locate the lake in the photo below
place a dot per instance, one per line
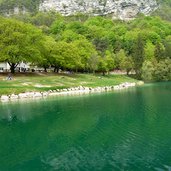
(128, 130)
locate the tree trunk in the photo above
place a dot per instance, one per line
(127, 72)
(12, 67)
(45, 69)
(55, 69)
(103, 73)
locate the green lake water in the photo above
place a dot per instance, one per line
(116, 131)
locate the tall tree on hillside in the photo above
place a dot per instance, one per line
(167, 45)
(149, 51)
(138, 55)
(159, 51)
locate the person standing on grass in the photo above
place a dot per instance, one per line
(9, 77)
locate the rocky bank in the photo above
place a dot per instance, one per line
(68, 91)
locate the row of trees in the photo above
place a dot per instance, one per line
(7, 6)
(86, 44)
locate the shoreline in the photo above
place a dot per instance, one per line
(68, 91)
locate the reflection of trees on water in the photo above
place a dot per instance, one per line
(18, 111)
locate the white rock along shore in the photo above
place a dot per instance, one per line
(67, 91)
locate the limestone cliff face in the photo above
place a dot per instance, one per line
(122, 9)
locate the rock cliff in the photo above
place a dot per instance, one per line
(122, 9)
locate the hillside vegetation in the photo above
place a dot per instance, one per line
(164, 10)
(31, 5)
(88, 44)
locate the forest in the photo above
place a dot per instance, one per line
(87, 44)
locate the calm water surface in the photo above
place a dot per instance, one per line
(121, 131)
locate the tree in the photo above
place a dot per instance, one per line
(127, 64)
(70, 36)
(102, 67)
(66, 56)
(167, 45)
(45, 18)
(163, 70)
(93, 62)
(159, 51)
(78, 28)
(119, 57)
(129, 40)
(148, 71)
(19, 42)
(58, 26)
(110, 64)
(106, 63)
(149, 51)
(101, 44)
(138, 55)
(47, 49)
(86, 50)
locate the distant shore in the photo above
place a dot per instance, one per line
(68, 91)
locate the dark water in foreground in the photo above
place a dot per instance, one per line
(122, 131)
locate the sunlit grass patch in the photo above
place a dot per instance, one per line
(44, 82)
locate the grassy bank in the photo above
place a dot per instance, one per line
(43, 82)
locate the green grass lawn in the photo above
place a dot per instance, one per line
(43, 82)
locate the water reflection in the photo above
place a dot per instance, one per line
(107, 132)
(24, 111)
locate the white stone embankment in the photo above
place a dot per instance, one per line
(68, 91)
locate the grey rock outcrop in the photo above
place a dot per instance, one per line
(122, 9)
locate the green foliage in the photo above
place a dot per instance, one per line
(148, 71)
(93, 63)
(85, 51)
(86, 44)
(47, 50)
(58, 26)
(167, 46)
(127, 64)
(157, 71)
(119, 57)
(149, 50)
(66, 56)
(31, 5)
(164, 10)
(159, 51)
(19, 42)
(70, 36)
(163, 70)
(138, 55)
(106, 63)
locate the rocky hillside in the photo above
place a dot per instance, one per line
(122, 9)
